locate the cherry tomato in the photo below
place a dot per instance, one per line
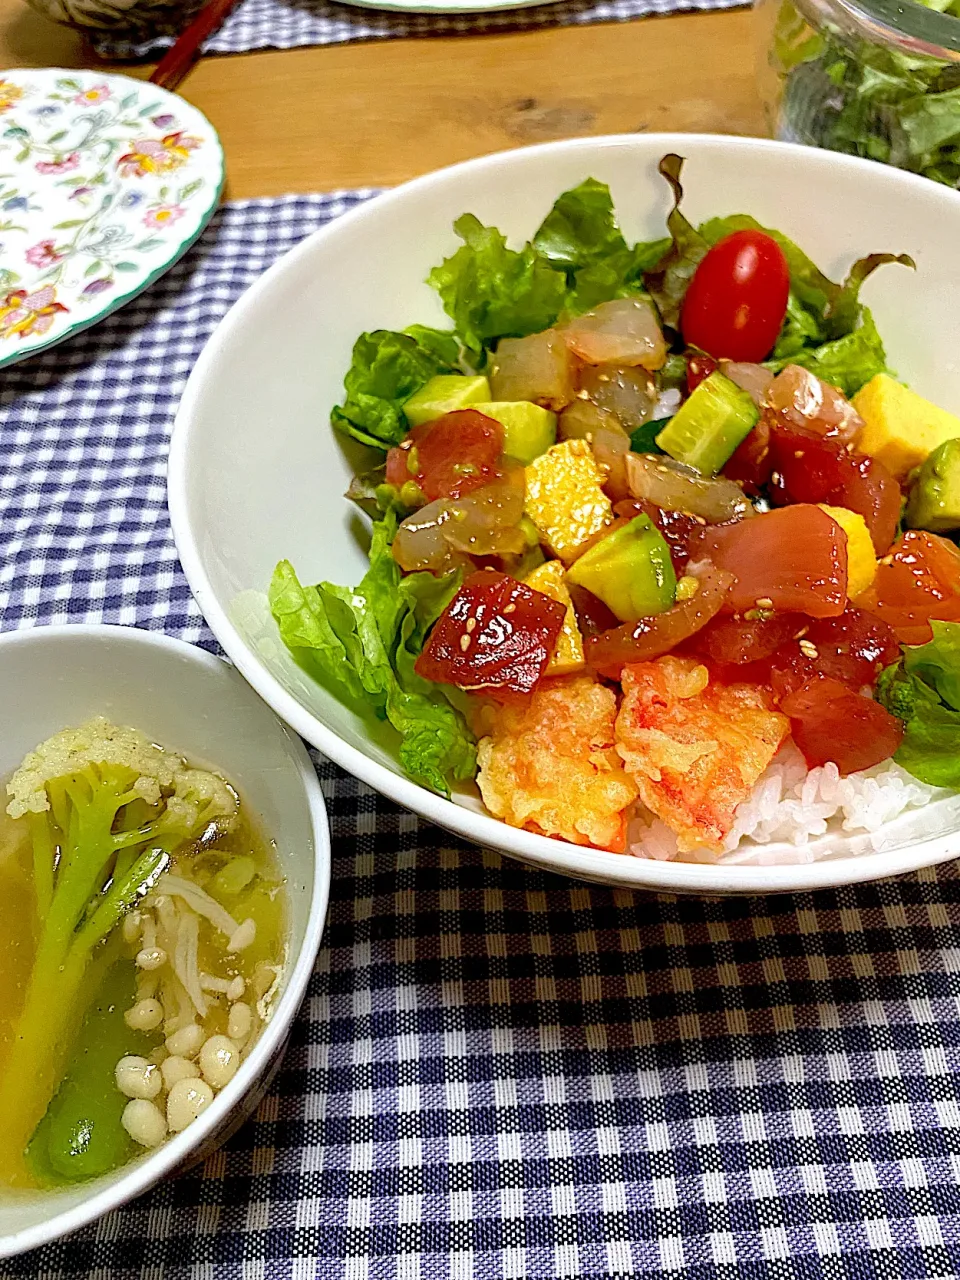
(829, 722)
(495, 637)
(737, 299)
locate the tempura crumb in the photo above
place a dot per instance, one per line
(550, 765)
(695, 748)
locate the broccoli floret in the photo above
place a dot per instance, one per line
(106, 810)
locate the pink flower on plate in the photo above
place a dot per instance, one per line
(58, 166)
(162, 215)
(90, 97)
(157, 155)
(43, 254)
(23, 314)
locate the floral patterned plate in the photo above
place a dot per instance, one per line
(104, 183)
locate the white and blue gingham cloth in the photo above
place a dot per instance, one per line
(291, 24)
(499, 1074)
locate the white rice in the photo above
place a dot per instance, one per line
(667, 404)
(796, 815)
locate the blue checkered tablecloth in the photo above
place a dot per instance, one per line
(290, 24)
(499, 1074)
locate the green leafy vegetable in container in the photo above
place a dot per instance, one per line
(882, 82)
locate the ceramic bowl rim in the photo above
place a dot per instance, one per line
(481, 828)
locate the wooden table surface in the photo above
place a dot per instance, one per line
(378, 112)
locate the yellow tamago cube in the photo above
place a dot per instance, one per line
(565, 499)
(901, 427)
(568, 654)
(861, 560)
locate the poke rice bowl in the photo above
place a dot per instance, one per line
(191, 702)
(257, 475)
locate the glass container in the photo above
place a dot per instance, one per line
(872, 78)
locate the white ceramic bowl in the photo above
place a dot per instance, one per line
(256, 473)
(188, 700)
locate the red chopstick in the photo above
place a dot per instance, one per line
(182, 54)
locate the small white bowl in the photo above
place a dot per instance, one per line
(257, 474)
(190, 701)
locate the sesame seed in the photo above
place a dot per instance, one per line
(583, 394)
(886, 560)
(764, 602)
(775, 477)
(510, 608)
(809, 649)
(471, 624)
(798, 453)
(464, 643)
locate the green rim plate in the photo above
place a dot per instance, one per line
(105, 182)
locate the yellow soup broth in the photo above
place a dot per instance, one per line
(237, 871)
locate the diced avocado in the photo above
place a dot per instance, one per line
(707, 427)
(528, 430)
(861, 558)
(445, 393)
(630, 570)
(902, 429)
(568, 651)
(934, 501)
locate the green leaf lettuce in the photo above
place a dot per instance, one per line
(581, 237)
(387, 368)
(490, 291)
(923, 690)
(667, 281)
(367, 641)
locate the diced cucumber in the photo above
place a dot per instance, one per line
(709, 426)
(630, 570)
(528, 430)
(445, 393)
